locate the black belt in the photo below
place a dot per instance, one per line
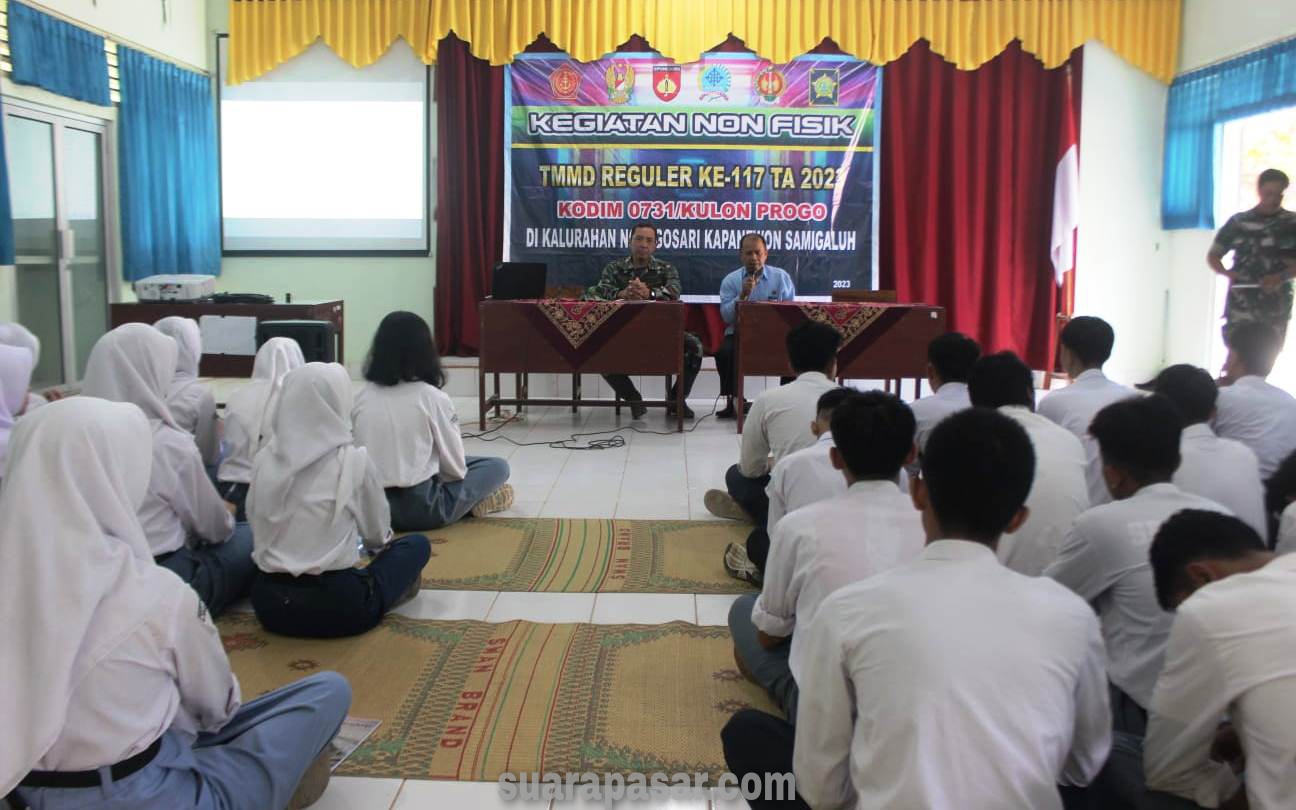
(86, 779)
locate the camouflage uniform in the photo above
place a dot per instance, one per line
(1262, 244)
(662, 279)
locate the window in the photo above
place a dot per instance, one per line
(318, 157)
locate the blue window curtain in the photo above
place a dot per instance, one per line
(57, 56)
(6, 211)
(166, 132)
(1201, 100)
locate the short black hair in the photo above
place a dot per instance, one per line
(1190, 389)
(874, 432)
(1280, 489)
(1140, 435)
(830, 399)
(1090, 339)
(811, 346)
(1191, 535)
(1001, 379)
(639, 225)
(1256, 344)
(1273, 176)
(403, 351)
(752, 235)
(952, 355)
(978, 466)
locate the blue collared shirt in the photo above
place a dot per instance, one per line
(774, 284)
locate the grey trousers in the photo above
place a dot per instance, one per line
(769, 667)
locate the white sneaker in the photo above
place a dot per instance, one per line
(720, 504)
(739, 566)
(497, 501)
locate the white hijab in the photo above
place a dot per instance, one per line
(15, 375)
(134, 363)
(78, 472)
(259, 398)
(184, 331)
(15, 334)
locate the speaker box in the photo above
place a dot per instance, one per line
(318, 339)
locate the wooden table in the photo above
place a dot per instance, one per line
(231, 365)
(894, 347)
(647, 338)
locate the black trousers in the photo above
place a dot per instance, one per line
(236, 494)
(750, 494)
(758, 544)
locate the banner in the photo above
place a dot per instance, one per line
(707, 152)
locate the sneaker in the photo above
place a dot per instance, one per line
(739, 566)
(313, 783)
(497, 501)
(720, 504)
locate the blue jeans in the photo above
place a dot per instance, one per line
(749, 493)
(435, 503)
(221, 574)
(253, 763)
(768, 667)
(1120, 784)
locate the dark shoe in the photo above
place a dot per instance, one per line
(730, 413)
(314, 782)
(637, 410)
(688, 412)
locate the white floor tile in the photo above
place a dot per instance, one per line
(555, 608)
(644, 608)
(719, 803)
(521, 509)
(713, 608)
(449, 605)
(358, 793)
(690, 800)
(427, 794)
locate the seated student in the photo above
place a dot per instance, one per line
(314, 495)
(1059, 492)
(19, 336)
(1104, 557)
(829, 544)
(410, 429)
(1222, 470)
(15, 375)
(111, 662)
(1280, 507)
(779, 424)
(949, 682)
(189, 528)
(949, 361)
(1250, 410)
(248, 417)
(800, 479)
(191, 402)
(1085, 344)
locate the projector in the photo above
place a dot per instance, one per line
(175, 288)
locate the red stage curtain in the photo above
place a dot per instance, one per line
(968, 160)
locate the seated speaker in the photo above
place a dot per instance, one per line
(318, 339)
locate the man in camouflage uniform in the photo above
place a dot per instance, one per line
(640, 277)
(1263, 242)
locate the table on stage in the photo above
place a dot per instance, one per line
(880, 341)
(578, 337)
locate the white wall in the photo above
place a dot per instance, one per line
(181, 37)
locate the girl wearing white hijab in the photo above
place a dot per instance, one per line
(191, 403)
(314, 494)
(15, 334)
(189, 528)
(15, 375)
(116, 689)
(247, 416)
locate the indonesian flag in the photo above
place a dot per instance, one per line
(1066, 192)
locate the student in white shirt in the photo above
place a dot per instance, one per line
(827, 545)
(1104, 557)
(1085, 344)
(314, 498)
(1222, 470)
(411, 431)
(248, 417)
(949, 361)
(189, 528)
(116, 686)
(798, 480)
(1059, 492)
(19, 336)
(779, 424)
(191, 402)
(15, 374)
(950, 681)
(1251, 410)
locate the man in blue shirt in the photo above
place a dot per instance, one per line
(754, 281)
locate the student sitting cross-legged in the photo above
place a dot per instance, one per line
(314, 497)
(115, 690)
(951, 681)
(409, 426)
(822, 547)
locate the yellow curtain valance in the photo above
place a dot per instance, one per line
(969, 33)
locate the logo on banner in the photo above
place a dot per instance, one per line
(714, 83)
(620, 82)
(565, 82)
(824, 84)
(770, 83)
(666, 81)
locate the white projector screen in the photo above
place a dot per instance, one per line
(320, 157)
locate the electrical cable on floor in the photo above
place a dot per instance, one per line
(573, 442)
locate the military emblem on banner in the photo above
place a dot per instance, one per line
(824, 85)
(666, 81)
(714, 83)
(620, 82)
(770, 83)
(565, 82)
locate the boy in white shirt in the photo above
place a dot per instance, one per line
(1251, 410)
(950, 681)
(822, 547)
(949, 361)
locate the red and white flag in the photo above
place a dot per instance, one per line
(1066, 192)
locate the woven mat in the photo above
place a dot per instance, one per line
(470, 700)
(584, 556)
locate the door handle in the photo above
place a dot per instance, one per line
(67, 244)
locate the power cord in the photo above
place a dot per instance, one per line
(573, 442)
